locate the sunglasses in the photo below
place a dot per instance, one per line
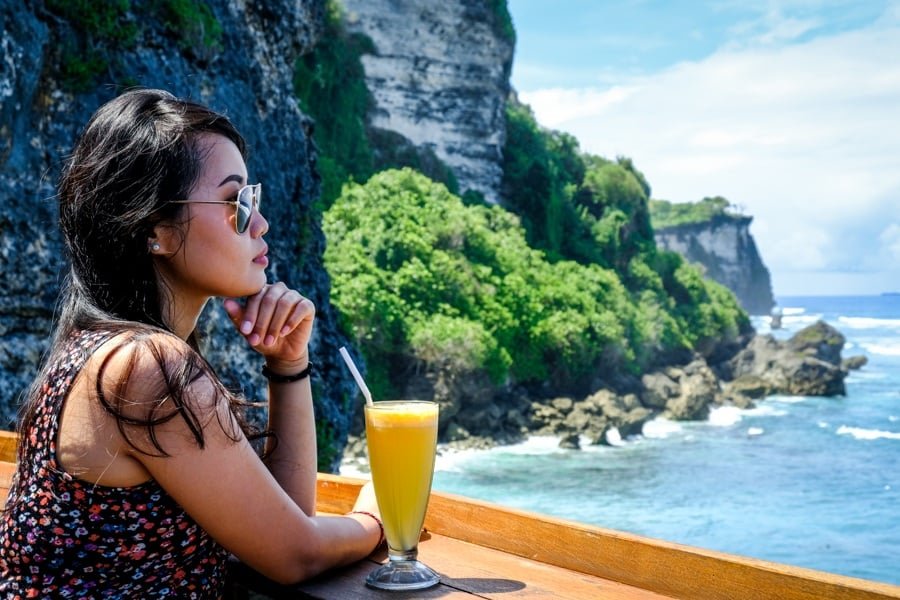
(244, 202)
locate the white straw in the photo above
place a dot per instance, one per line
(356, 375)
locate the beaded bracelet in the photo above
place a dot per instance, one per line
(377, 520)
(276, 378)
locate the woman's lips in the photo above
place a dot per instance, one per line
(261, 258)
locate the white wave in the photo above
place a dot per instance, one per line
(893, 419)
(868, 434)
(450, 460)
(725, 416)
(795, 310)
(754, 431)
(354, 470)
(823, 424)
(660, 428)
(536, 444)
(765, 410)
(613, 437)
(883, 349)
(784, 399)
(803, 320)
(868, 323)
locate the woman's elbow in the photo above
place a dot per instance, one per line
(295, 567)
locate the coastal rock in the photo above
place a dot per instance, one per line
(625, 413)
(728, 254)
(249, 75)
(808, 364)
(853, 363)
(659, 388)
(820, 340)
(571, 441)
(748, 385)
(440, 78)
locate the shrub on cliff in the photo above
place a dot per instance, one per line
(422, 280)
(592, 210)
(672, 214)
(425, 280)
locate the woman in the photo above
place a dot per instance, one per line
(136, 476)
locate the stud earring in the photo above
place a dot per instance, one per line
(155, 247)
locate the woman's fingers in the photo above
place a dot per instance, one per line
(287, 305)
(274, 312)
(302, 311)
(259, 311)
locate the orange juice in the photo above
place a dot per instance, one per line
(401, 437)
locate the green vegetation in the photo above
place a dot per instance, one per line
(330, 86)
(503, 20)
(100, 31)
(561, 285)
(670, 214)
(192, 22)
(424, 281)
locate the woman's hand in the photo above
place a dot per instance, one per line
(277, 322)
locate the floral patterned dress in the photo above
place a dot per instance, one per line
(61, 537)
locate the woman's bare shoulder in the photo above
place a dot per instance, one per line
(148, 377)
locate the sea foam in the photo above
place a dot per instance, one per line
(868, 434)
(883, 349)
(725, 416)
(868, 323)
(660, 428)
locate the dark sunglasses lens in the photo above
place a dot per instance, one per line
(244, 209)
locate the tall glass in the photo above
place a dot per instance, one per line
(402, 436)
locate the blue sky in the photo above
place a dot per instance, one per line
(790, 109)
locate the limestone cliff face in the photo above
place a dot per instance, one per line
(440, 78)
(249, 77)
(726, 250)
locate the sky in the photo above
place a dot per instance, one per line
(790, 109)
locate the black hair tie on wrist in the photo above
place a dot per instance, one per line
(276, 378)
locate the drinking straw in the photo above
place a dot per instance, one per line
(356, 375)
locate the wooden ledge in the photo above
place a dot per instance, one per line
(486, 551)
(665, 568)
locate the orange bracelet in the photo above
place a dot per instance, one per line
(377, 520)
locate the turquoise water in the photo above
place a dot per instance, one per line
(813, 482)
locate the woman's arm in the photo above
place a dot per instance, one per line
(277, 322)
(293, 460)
(227, 489)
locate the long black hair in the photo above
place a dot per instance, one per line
(137, 152)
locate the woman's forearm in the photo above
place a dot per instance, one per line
(293, 459)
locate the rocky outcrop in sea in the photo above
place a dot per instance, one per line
(727, 252)
(807, 364)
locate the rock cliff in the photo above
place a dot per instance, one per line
(440, 78)
(246, 72)
(725, 248)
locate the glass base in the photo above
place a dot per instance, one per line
(402, 575)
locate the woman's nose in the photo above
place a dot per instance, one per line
(258, 224)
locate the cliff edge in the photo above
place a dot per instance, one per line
(439, 76)
(725, 248)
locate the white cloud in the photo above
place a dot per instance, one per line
(890, 239)
(806, 136)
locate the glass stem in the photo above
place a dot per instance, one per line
(402, 555)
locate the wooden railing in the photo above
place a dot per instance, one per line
(509, 546)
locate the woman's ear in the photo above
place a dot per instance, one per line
(165, 240)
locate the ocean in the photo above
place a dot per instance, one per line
(813, 482)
